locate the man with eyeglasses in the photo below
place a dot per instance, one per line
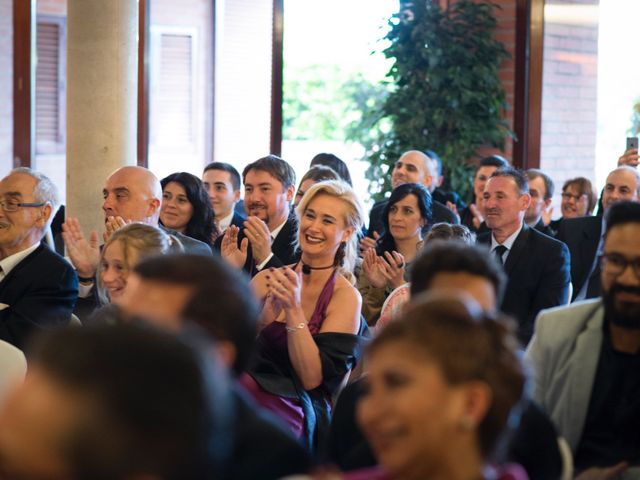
(38, 288)
(584, 235)
(586, 359)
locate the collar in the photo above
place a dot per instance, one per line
(276, 231)
(224, 222)
(509, 241)
(11, 261)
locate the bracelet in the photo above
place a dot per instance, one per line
(300, 326)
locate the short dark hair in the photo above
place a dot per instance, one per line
(449, 231)
(436, 158)
(493, 161)
(320, 173)
(518, 176)
(386, 243)
(226, 167)
(549, 187)
(440, 256)
(274, 166)
(467, 345)
(160, 403)
(332, 161)
(585, 187)
(221, 302)
(621, 213)
(200, 225)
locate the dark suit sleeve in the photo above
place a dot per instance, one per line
(553, 290)
(375, 219)
(47, 301)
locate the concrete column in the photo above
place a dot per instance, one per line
(102, 76)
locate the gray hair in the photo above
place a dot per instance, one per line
(45, 190)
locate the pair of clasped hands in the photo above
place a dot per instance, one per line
(380, 270)
(256, 232)
(85, 254)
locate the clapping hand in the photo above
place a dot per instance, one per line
(111, 225)
(260, 238)
(393, 268)
(630, 158)
(84, 254)
(373, 269)
(229, 250)
(367, 242)
(284, 285)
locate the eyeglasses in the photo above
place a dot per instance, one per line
(616, 264)
(569, 196)
(13, 206)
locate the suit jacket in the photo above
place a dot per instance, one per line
(537, 268)
(262, 448)
(439, 213)
(564, 355)
(582, 236)
(40, 291)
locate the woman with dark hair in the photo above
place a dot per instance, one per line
(400, 296)
(384, 268)
(578, 200)
(186, 207)
(444, 384)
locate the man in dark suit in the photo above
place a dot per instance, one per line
(536, 265)
(38, 288)
(584, 235)
(222, 182)
(268, 235)
(541, 190)
(130, 193)
(413, 166)
(173, 290)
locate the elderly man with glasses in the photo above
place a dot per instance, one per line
(38, 288)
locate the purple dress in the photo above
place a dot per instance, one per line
(274, 338)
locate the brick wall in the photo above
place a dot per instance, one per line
(6, 86)
(569, 97)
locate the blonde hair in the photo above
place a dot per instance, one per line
(354, 217)
(145, 239)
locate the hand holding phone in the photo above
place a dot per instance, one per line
(630, 156)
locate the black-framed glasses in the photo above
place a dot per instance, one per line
(13, 206)
(616, 263)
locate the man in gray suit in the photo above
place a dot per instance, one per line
(586, 358)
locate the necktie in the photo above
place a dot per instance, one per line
(499, 252)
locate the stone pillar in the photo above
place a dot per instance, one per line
(102, 75)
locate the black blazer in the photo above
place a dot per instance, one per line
(41, 292)
(439, 213)
(262, 448)
(537, 268)
(582, 236)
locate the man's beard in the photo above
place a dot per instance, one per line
(622, 314)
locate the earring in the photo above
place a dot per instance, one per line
(338, 260)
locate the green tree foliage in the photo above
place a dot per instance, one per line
(446, 93)
(326, 102)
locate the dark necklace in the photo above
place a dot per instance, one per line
(306, 269)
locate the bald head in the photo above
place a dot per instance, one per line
(413, 166)
(133, 193)
(623, 183)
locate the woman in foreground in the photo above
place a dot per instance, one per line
(444, 383)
